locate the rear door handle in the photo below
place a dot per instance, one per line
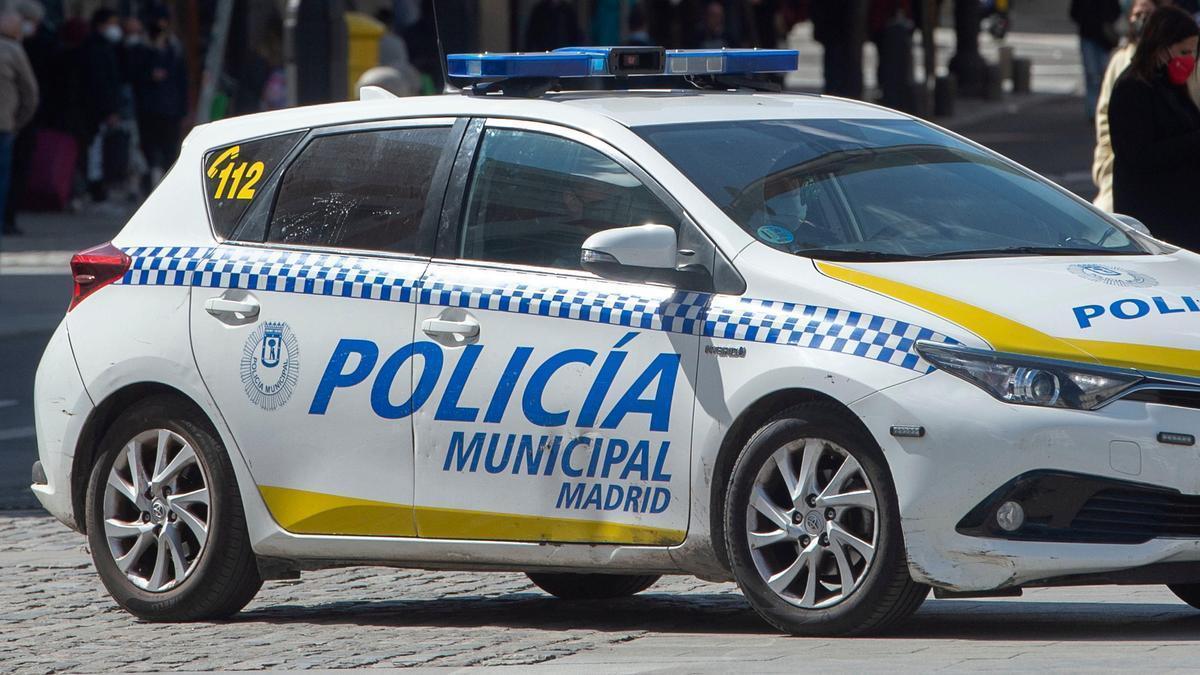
(466, 329)
(238, 311)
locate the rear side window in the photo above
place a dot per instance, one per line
(535, 198)
(234, 176)
(361, 190)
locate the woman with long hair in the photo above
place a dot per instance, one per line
(1102, 162)
(1155, 131)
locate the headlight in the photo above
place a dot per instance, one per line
(1028, 380)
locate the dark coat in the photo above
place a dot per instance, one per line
(1095, 19)
(1156, 145)
(165, 97)
(102, 79)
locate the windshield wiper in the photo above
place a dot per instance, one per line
(1028, 250)
(854, 256)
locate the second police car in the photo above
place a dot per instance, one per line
(821, 348)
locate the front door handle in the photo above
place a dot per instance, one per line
(441, 327)
(229, 310)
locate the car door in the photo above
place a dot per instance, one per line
(293, 322)
(559, 405)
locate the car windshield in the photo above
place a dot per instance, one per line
(879, 190)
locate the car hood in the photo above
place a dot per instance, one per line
(1126, 311)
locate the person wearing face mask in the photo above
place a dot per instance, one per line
(160, 88)
(1102, 162)
(1155, 130)
(102, 84)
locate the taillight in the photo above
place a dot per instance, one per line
(96, 268)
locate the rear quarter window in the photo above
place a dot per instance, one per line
(235, 175)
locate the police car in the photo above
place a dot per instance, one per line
(826, 350)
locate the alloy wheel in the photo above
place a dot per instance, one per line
(812, 523)
(157, 510)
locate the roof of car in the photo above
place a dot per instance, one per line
(641, 108)
(585, 110)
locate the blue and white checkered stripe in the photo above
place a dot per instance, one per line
(813, 327)
(745, 319)
(259, 270)
(681, 313)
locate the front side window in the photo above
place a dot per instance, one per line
(881, 190)
(362, 190)
(535, 198)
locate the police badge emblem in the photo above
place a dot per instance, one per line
(270, 365)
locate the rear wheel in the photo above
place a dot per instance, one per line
(165, 521)
(1189, 593)
(813, 528)
(591, 586)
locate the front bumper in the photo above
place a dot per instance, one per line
(975, 447)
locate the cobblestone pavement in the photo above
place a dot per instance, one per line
(55, 616)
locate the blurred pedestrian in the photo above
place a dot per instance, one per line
(714, 32)
(552, 24)
(40, 48)
(764, 23)
(1102, 161)
(1155, 130)
(18, 94)
(103, 82)
(1096, 21)
(160, 91)
(841, 26)
(891, 28)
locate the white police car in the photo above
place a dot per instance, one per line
(824, 349)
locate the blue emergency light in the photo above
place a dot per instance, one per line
(571, 62)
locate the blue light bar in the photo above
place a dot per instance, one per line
(730, 61)
(572, 62)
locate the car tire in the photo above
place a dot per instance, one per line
(569, 586)
(1189, 593)
(191, 518)
(834, 516)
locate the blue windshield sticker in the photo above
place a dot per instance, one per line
(774, 234)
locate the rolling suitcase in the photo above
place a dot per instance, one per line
(48, 187)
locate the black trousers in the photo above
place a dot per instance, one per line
(22, 164)
(160, 139)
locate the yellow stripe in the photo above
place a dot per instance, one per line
(1144, 357)
(456, 524)
(1002, 333)
(1007, 335)
(305, 512)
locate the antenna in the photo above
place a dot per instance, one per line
(447, 87)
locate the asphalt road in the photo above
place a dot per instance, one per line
(1048, 135)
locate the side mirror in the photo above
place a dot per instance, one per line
(1133, 223)
(641, 253)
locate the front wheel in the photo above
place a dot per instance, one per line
(813, 528)
(591, 586)
(164, 517)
